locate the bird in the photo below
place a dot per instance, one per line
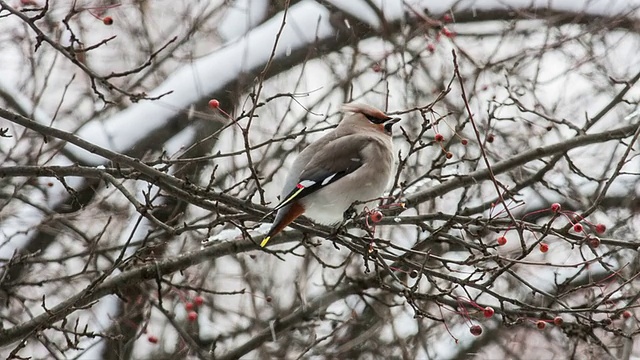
(352, 163)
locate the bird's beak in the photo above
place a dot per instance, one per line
(388, 125)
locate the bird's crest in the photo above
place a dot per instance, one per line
(367, 110)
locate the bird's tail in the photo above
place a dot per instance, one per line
(265, 241)
(285, 216)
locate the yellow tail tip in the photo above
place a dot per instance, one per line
(265, 241)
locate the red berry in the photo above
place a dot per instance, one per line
(152, 339)
(555, 207)
(214, 104)
(502, 240)
(577, 228)
(448, 155)
(558, 321)
(488, 312)
(376, 68)
(448, 33)
(594, 241)
(490, 138)
(192, 316)
(376, 216)
(626, 314)
(446, 18)
(439, 138)
(188, 306)
(464, 141)
(108, 20)
(475, 330)
(198, 300)
(540, 324)
(431, 48)
(544, 247)
(601, 228)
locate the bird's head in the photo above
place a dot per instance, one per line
(367, 117)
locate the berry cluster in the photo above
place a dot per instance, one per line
(439, 138)
(575, 220)
(444, 31)
(192, 314)
(487, 313)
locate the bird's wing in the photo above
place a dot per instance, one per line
(337, 159)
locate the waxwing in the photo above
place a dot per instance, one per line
(352, 163)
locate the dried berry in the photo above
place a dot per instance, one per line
(476, 330)
(376, 216)
(558, 321)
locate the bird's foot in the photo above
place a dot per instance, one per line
(349, 214)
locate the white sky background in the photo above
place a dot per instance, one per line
(118, 130)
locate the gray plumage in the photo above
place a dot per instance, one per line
(358, 153)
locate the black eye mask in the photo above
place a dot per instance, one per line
(377, 120)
